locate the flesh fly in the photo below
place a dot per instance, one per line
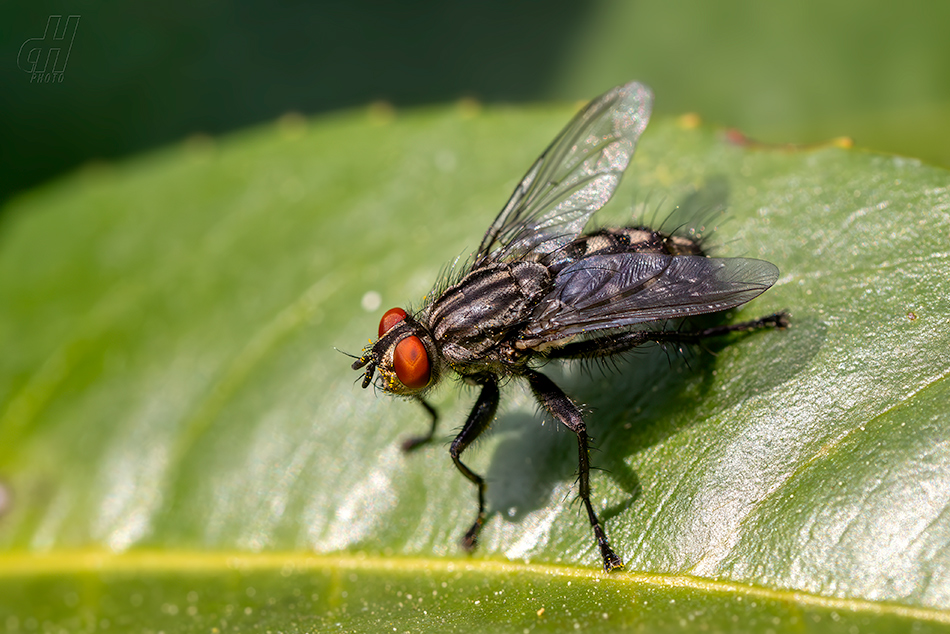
(538, 289)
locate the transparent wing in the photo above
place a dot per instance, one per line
(612, 291)
(573, 179)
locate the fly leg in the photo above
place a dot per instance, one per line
(560, 406)
(775, 320)
(616, 344)
(478, 421)
(414, 442)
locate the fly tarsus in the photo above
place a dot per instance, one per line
(780, 320)
(470, 539)
(478, 421)
(414, 442)
(553, 399)
(611, 561)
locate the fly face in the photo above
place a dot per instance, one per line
(537, 288)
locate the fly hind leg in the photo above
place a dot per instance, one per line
(622, 342)
(560, 406)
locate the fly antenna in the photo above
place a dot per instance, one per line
(352, 356)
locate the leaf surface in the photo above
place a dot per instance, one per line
(176, 426)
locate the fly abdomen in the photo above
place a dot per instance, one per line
(615, 240)
(612, 240)
(475, 315)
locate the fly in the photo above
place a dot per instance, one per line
(538, 289)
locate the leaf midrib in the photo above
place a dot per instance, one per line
(25, 564)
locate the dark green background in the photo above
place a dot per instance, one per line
(142, 75)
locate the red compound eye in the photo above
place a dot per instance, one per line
(411, 362)
(392, 317)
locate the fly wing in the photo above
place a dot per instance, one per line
(574, 178)
(613, 291)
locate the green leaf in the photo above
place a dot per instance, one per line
(182, 449)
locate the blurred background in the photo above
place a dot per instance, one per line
(142, 75)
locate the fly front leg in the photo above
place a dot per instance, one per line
(560, 406)
(414, 442)
(478, 421)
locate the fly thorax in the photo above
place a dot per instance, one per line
(472, 317)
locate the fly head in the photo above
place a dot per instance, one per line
(404, 355)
